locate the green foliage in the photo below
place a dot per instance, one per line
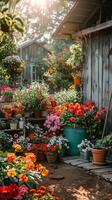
(58, 74)
(7, 47)
(76, 54)
(5, 140)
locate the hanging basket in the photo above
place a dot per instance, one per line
(51, 158)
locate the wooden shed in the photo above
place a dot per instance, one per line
(91, 21)
(34, 54)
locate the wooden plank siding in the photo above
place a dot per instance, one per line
(98, 67)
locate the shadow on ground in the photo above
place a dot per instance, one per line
(72, 183)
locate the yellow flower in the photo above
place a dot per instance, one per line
(17, 147)
(11, 172)
(44, 172)
(72, 87)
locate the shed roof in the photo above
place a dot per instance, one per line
(31, 42)
(77, 19)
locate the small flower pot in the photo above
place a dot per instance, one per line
(51, 158)
(13, 125)
(99, 156)
(77, 81)
(85, 155)
(38, 114)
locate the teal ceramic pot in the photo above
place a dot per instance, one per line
(75, 137)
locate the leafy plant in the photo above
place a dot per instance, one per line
(5, 140)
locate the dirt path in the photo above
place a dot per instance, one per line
(76, 184)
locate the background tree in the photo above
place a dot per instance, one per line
(40, 23)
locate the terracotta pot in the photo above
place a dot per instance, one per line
(31, 135)
(99, 156)
(77, 81)
(51, 158)
(38, 114)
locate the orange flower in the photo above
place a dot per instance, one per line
(30, 156)
(11, 157)
(44, 172)
(39, 166)
(23, 177)
(29, 166)
(32, 191)
(42, 187)
(17, 147)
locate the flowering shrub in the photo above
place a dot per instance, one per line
(66, 96)
(9, 110)
(13, 65)
(43, 193)
(59, 140)
(20, 169)
(52, 149)
(33, 98)
(82, 115)
(85, 145)
(53, 123)
(58, 74)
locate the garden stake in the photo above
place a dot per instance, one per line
(106, 118)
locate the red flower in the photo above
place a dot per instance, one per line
(72, 119)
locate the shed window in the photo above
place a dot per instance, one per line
(33, 73)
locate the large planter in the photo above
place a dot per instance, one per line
(99, 156)
(75, 137)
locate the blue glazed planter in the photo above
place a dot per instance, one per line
(75, 137)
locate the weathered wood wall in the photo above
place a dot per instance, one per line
(98, 67)
(33, 54)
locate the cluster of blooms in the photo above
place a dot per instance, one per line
(59, 140)
(33, 98)
(81, 115)
(53, 123)
(23, 142)
(23, 169)
(13, 191)
(44, 193)
(85, 145)
(10, 110)
(65, 96)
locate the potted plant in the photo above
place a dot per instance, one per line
(62, 142)
(34, 98)
(85, 148)
(80, 121)
(77, 78)
(7, 110)
(99, 151)
(52, 152)
(13, 124)
(6, 140)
